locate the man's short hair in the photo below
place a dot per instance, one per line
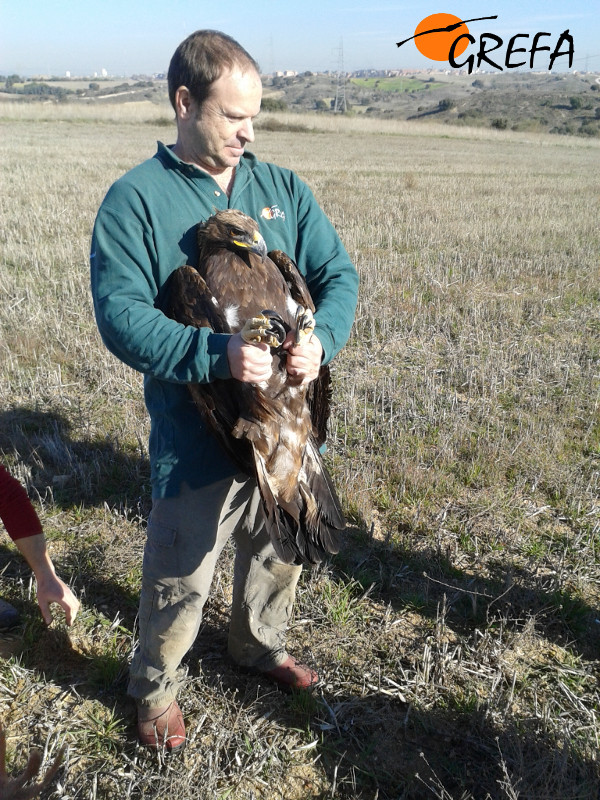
(201, 59)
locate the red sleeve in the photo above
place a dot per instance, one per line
(18, 515)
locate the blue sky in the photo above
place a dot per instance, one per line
(138, 36)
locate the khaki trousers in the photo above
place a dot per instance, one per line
(186, 535)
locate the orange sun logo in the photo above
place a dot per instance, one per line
(435, 34)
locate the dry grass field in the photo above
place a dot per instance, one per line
(458, 633)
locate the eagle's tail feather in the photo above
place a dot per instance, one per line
(321, 487)
(309, 529)
(281, 525)
(312, 526)
(317, 531)
(321, 519)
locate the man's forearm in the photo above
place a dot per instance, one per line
(34, 551)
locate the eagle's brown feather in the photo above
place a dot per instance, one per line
(271, 431)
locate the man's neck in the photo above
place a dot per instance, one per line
(223, 177)
(225, 180)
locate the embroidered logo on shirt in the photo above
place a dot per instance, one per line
(272, 212)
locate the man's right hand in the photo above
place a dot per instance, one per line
(250, 363)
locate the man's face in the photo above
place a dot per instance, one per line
(222, 126)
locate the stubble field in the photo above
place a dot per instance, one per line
(457, 634)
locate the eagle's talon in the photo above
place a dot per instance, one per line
(305, 325)
(255, 329)
(266, 328)
(276, 327)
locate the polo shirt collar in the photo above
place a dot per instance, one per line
(166, 155)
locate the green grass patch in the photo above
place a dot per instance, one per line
(395, 84)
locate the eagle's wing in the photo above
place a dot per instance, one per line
(319, 391)
(293, 277)
(318, 398)
(188, 299)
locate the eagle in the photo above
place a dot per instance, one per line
(272, 430)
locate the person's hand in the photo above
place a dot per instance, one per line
(14, 788)
(250, 363)
(304, 360)
(50, 589)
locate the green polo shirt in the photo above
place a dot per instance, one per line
(145, 229)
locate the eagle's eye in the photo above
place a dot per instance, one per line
(237, 232)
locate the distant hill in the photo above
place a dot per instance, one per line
(567, 103)
(556, 103)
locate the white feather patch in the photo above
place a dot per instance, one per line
(232, 315)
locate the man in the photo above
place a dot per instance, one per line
(146, 228)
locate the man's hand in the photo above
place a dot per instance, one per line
(250, 363)
(304, 360)
(51, 589)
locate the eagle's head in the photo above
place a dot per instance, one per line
(234, 230)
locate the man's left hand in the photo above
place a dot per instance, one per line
(304, 360)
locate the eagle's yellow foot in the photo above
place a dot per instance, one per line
(305, 325)
(265, 327)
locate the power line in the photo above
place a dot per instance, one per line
(587, 58)
(339, 105)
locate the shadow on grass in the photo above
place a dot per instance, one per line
(93, 653)
(425, 579)
(379, 747)
(71, 472)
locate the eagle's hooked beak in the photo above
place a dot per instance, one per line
(259, 245)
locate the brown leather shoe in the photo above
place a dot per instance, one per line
(293, 675)
(162, 730)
